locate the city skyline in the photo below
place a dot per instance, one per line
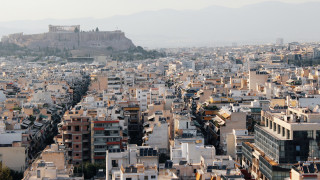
(160, 90)
(212, 26)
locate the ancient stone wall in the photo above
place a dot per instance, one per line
(72, 40)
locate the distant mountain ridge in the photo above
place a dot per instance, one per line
(212, 26)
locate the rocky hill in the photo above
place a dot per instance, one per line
(73, 40)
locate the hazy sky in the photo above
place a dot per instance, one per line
(65, 9)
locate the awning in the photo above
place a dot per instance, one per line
(151, 117)
(149, 130)
(225, 115)
(43, 116)
(26, 122)
(25, 125)
(198, 176)
(38, 124)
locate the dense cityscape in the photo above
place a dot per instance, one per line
(95, 106)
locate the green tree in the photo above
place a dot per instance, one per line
(88, 169)
(16, 174)
(97, 29)
(5, 172)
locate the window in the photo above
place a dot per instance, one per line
(77, 128)
(297, 148)
(145, 177)
(318, 134)
(77, 137)
(98, 125)
(100, 153)
(114, 163)
(310, 134)
(153, 177)
(98, 132)
(38, 174)
(77, 146)
(128, 178)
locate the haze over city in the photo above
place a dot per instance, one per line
(157, 24)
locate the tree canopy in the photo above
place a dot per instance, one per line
(5, 172)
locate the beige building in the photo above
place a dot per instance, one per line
(230, 121)
(234, 142)
(52, 164)
(257, 78)
(137, 162)
(12, 154)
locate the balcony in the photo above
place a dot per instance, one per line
(67, 132)
(99, 143)
(112, 128)
(113, 143)
(77, 157)
(113, 134)
(68, 140)
(100, 150)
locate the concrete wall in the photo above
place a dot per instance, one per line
(13, 157)
(231, 145)
(256, 79)
(159, 137)
(56, 157)
(238, 121)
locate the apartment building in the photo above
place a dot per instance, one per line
(306, 170)
(106, 134)
(234, 142)
(53, 163)
(75, 135)
(282, 139)
(137, 162)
